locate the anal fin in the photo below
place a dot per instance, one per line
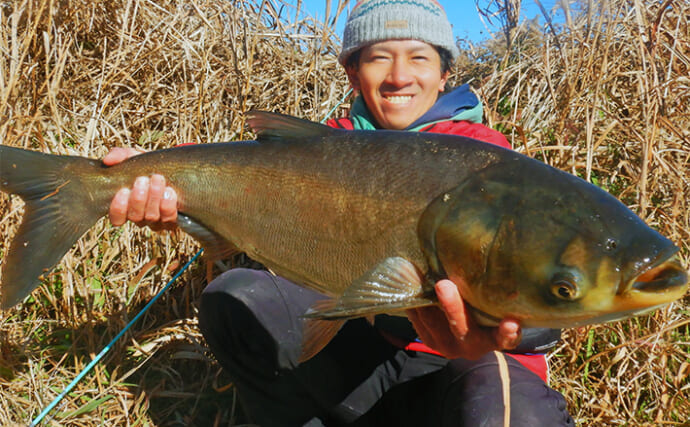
(317, 333)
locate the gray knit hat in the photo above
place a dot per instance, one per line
(373, 21)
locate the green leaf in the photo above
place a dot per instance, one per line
(92, 405)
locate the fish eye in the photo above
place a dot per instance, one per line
(565, 289)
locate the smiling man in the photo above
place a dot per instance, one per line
(399, 80)
(439, 370)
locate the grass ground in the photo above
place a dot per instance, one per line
(605, 95)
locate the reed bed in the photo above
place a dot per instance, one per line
(604, 95)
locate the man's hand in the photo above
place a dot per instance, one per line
(451, 330)
(149, 201)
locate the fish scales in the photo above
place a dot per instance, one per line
(313, 205)
(371, 219)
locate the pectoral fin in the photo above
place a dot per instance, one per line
(393, 285)
(215, 246)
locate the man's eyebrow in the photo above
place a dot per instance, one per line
(419, 49)
(413, 49)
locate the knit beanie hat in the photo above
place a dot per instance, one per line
(372, 21)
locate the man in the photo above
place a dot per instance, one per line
(397, 55)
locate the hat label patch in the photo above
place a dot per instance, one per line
(401, 24)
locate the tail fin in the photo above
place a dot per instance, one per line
(59, 209)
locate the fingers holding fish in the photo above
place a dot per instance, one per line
(505, 336)
(161, 204)
(508, 334)
(450, 330)
(120, 204)
(433, 329)
(149, 201)
(117, 213)
(138, 200)
(168, 207)
(160, 212)
(443, 334)
(152, 210)
(453, 307)
(118, 155)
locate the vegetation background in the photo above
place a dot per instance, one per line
(604, 94)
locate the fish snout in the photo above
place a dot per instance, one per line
(669, 276)
(655, 283)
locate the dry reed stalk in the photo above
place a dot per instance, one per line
(608, 99)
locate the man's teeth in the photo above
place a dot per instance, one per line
(399, 99)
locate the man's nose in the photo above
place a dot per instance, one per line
(400, 73)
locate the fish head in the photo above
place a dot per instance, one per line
(549, 249)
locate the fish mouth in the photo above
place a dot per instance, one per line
(665, 276)
(661, 278)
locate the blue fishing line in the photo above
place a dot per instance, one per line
(106, 349)
(337, 105)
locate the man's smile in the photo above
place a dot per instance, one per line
(398, 99)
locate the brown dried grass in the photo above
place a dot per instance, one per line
(606, 97)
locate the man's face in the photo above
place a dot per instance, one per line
(399, 79)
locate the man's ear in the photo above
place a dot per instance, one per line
(353, 77)
(444, 80)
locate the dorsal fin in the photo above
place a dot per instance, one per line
(280, 126)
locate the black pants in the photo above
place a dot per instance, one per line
(251, 321)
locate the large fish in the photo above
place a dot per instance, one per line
(371, 219)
